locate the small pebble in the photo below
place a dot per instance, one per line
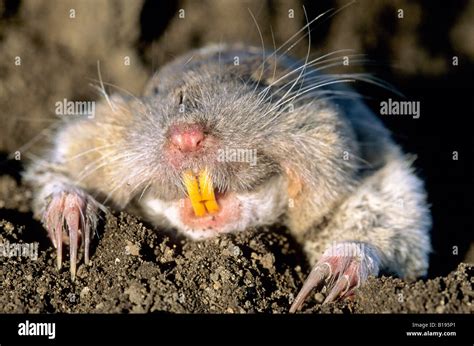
(319, 297)
(84, 292)
(132, 249)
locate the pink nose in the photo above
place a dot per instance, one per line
(186, 137)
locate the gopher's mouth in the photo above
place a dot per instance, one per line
(204, 208)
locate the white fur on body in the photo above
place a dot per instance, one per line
(388, 212)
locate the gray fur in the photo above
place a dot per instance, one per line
(356, 185)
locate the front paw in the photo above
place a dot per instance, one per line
(343, 267)
(69, 217)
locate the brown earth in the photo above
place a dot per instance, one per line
(137, 269)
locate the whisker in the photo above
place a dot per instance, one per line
(88, 151)
(147, 107)
(123, 182)
(310, 63)
(275, 60)
(34, 140)
(305, 63)
(263, 51)
(104, 93)
(298, 33)
(309, 88)
(334, 12)
(144, 190)
(277, 114)
(81, 175)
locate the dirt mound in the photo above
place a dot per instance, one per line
(137, 269)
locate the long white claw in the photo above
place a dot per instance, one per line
(317, 276)
(340, 288)
(72, 210)
(87, 242)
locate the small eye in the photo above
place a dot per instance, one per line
(155, 90)
(181, 97)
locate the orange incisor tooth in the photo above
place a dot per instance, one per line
(207, 192)
(201, 193)
(192, 187)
